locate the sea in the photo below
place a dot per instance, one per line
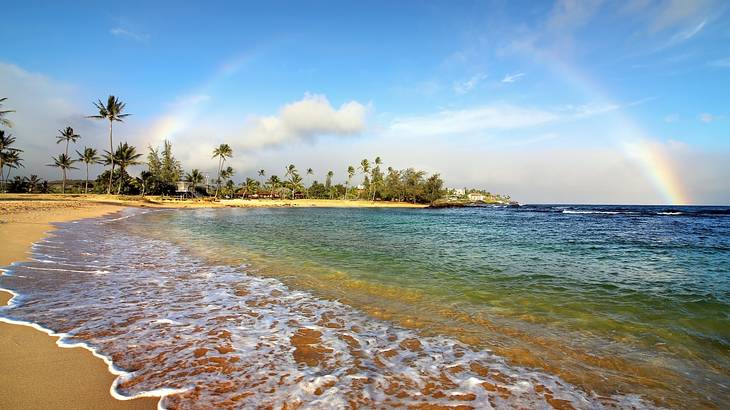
(537, 306)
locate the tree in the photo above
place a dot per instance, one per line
(171, 169)
(126, 155)
(68, 135)
(273, 182)
(294, 178)
(433, 188)
(3, 113)
(223, 152)
(328, 182)
(376, 176)
(309, 172)
(262, 174)
(350, 174)
(112, 111)
(8, 154)
(195, 177)
(12, 160)
(33, 181)
(251, 185)
(88, 157)
(64, 163)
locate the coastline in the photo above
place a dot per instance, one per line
(35, 371)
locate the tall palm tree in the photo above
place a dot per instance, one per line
(375, 173)
(64, 163)
(262, 174)
(68, 135)
(328, 182)
(310, 171)
(4, 121)
(223, 152)
(6, 153)
(292, 173)
(112, 111)
(273, 182)
(295, 182)
(11, 160)
(126, 155)
(88, 157)
(350, 174)
(365, 168)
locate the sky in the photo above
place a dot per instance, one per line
(549, 102)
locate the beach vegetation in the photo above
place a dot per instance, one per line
(222, 152)
(64, 163)
(112, 111)
(88, 156)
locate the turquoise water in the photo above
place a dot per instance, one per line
(631, 299)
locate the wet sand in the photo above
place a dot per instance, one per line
(35, 373)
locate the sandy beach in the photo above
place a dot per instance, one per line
(35, 373)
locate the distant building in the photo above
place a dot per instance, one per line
(475, 196)
(183, 186)
(459, 191)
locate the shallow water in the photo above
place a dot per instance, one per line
(479, 307)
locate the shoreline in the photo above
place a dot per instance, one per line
(30, 361)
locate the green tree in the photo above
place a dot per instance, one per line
(112, 111)
(8, 155)
(328, 182)
(171, 168)
(33, 181)
(3, 113)
(262, 174)
(310, 171)
(88, 157)
(376, 177)
(350, 174)
(273, 183)
(195, 177)
(68, 135)
(222, 152)
(126, 156)
(293, 175)
(64, 163)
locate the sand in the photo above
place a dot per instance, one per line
(35, 373)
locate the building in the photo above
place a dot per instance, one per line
(459, 191)
(475, 196)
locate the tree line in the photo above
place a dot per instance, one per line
(366, 181)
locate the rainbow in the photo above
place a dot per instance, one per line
(634, 142)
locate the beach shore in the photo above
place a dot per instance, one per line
(35, 373)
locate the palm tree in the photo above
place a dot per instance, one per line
(126, 155)
(64, 162)
(195, 177)
(251, 185)
(6, 150)
(88, 157)
(11, 159)
(67, 135)
(223, 152)
(328, 182)
(273, 182)
(365, 168)
(295, 182)
(375, 173)
(33, 182)
(262, 174)
(291, 172)
(350, 174)
(4, 121)
(310, 171)
(111, 111)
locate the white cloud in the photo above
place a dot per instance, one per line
(307, 118)
(720, 63)
(511, 78)
(494, 117)
(674, 13)
(464, 87)
(128, 34)
(708, 118)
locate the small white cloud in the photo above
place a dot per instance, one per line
(511, 78)
(708, 118)
(720, 63)
(307, 118)
(464, 87)
(671, 118)
(123, 33)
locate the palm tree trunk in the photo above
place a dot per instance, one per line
(2, 176)
(121, 179)
(111, 158)
(218, 180)
(86, 186)
(63, 182)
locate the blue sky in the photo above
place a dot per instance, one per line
(585, 101)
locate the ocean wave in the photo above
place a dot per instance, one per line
(170, 325)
